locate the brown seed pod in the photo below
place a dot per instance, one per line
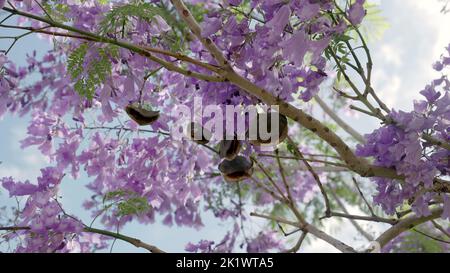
(235, 170)
(198, 134)
(229, 149)
(273, 140)
(140, 115)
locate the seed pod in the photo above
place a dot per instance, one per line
(273, 140)
(229, 149)
(198, 134)
(235, 170)
(140, 115)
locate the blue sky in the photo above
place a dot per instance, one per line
(417, 36)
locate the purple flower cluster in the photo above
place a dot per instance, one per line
(226, 245)
(273, 51)
(401, 146)
(48, 224)
(264, 242)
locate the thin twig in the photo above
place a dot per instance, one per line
(266, 189)
(431, 237)
(357, 136)
(314, 174)
(362, 218)
(283, 178)
(442, 229)
(297, 246)
(267, 174)
(310, 229)
(363, 197)
(39, 4)
(307, 159)
(352, 221)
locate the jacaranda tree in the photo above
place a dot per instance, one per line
(103, 99)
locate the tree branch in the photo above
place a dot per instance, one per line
(299, 243)
(195, 28)
(363, 218)
(407, 224)
(136, 242)
(310, 229)
(352, 220)
(363, 197)
(168, 65)
(441, 229)
(357, 136)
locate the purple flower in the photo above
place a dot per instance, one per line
(18, 188)
(295, 48)
(446, 213)
(66, 155)
(3, 59)
(234, 2)
(278, 23)
(204, 246)
(41, 132)
(438, 66)
(210, 26)
(50, 178)
(305, 10)
(430, 93)
(264, 242)
(357, 12)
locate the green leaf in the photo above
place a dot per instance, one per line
(76, 61)
(127, 202)
(133, 206)
(89, 74)
(374, 24)
(56, 10)
(120, 16)
(115, 194)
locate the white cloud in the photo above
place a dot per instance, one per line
(392, 54)
(29, 169)
(417, 37)
(22, 164)
(387, 86)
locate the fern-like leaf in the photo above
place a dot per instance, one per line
(90, 74)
